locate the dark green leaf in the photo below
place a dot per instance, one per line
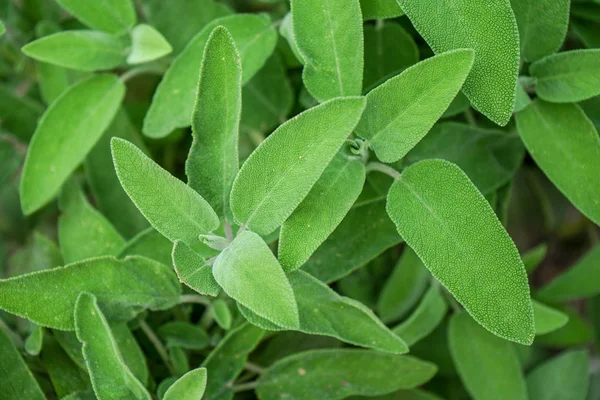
(17, 381)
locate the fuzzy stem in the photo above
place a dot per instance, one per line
(383, 168)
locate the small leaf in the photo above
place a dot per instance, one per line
(192, 270)
(567, 77)
(189, 386)
(110, 376)
(566, 146)
(66, 133)
(17, 380)
(33, 343)
(492, 371)
(564, 377)
(453, 229)
(112, 16)
(337, 374)
(147, 44)
(220, 312)
(380, 9)
(547, 319)
(250, 274)
(321, 211)
(183, 334)
(575, 333)
(123, 287)
(533, 257)
(172, 208)
(330, 40)
(281, 171)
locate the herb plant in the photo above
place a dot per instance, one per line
(304, 199)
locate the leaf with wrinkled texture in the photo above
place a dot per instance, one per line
(17, 380)
(147, 44)
(192, 270)
(547, 319)
(112, 16)
(189, 386)
(564, 377)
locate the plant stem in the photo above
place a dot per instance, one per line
(383, 168)
(160, 349)
(249, 366)
(194, 298)
(245, 386)
(228, 231)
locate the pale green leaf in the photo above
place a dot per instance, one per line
(52, 80)
(380, 9)
(189, 386)
(575, 333)
(221, 314)
(402, 110)
(522, 100)
(147, 44)
(564, 377)
(534, 257)
(113, 16)
(445, 219)
(17, 381)
(193, 271)
(33, 343)
(183, 334)
(547, 319)
(487, 27)
(286, 29)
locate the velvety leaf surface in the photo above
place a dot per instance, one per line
(130, 350)
(380, 9)
(564, 377)
(17, 380)
(192, 270)
(183, 334)
(547, 319)
(151, 244)
(189, 386)
(147, 44)
(112, 16)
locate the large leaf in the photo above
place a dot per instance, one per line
(66, 133)
(281, 171)
(17, 380)
(564, 377)
(487, 27)
(566, 146)
(123, 287)
(113, 16)
(453, 229)
(189, 386)
(172, 208)
(403, 109)
(192, 270)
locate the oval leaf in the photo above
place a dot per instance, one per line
(112, 16)
(547, 319)
(189, 386)
(147, 44)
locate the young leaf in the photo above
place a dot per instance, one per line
(250, 274)
(488, 28)
(542, 26)
(189, 386)
(337, 374)
(323, 312)
(17, 381)
(547, 319)
(380, 9)
(112, 16)
(147, 44)
(174, 99)
(221, 314)
(281, 171)
(564, 377)
(172, 208)
(403, 109)
(66, 133)
(110, 376)
(212, 163)
(453, 229)
(33, 343)
(487, 365)
(533, 258)
(576, 332)
(566, 146)
(184, 335)
(192, 270)
(123, 287)
(330, 40)
(79, 50)
(321, 211)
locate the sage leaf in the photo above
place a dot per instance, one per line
(564, 377)
(130, 350)
(192, 270)
(403, 109)
(112, 16)
(330, 40)
(491, 372)
(66, 133)
(473, 256)
(337, 374)
(565, 145)
(534, 257)
(123, 287)
(52, 80)
(576, 332)
(281, 171)
(147, 44)
(221, 314)
(547, 319)
(172, 208)
(491, 31)
(151, 244)
(189, 386)
(110, 376)
(321, 211)
(174, 99)
(184, 335)
(79, 50)
(380, 9)
(66, 376)
(250, 274)
(33, 343)
(17, 380)
(567, 77)
(212, 163)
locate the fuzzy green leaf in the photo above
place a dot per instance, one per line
(151, 244)
(566, 146)
(221, 314)
(445, 219)
(380, 9)
(564, 377)
(112, 16)
(17, 381)
(147, 44)
(547, 319)
(189, 386)
(281, 171)
(184, 335)
(192, 270)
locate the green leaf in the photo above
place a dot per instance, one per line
(52, 80)
(575, 333)
(184, 335)
(565, 145)
(547, 319)
(123, 287)
(147, 44)
(564, 377)
(33, 343)
(490, 29)
(189, 386)
(579, 281)
(175, 96)
(79, 50)
(487, 365)
(39, 253)
(567, 77)
(212, 163)
(337, 374)
(250, 274)
(65, 134)
(19, 114)
(281, 171)
(172, 208)
(66, 376)
(110, 376)
(453, 229)
(286, 30)
(151, 244)
(542, 26)
(2, 28)
(321, 211)
(130, 350)
(330, 40)
(193, 270)
(221, 313)
(533, 258)
(402, 110)
(112, 16)
(380, 9)
(323, 312)
(17, 381)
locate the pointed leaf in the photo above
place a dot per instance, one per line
(189, 386)
(192, 270)
(147, 44)
(547, 319)
(17, 381)
(564, 377)
(112, 16)
(33, 343)
(533, 258)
